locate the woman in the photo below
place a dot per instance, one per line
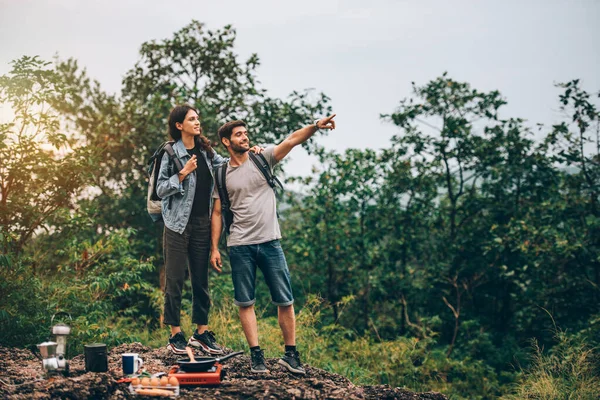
(186, 205)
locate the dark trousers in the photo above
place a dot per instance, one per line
(192, 248)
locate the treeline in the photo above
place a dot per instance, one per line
(466, 229)
(465, 225)
(464, 239)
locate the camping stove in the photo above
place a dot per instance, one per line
(212, 377)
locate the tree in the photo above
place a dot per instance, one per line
(440, 129)
(195, 66)
(42, 167)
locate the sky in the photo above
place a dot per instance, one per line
(362, 54)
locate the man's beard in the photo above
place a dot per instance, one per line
(238, 149)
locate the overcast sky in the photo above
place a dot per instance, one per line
(363, 54)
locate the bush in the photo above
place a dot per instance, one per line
(105, 291)
(23, 306)
(567, 371)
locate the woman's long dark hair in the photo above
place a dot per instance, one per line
(178, 115)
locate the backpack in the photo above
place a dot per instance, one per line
(153, 202)
(221, 172)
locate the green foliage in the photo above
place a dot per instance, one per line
(568, 371)
(41, 169)
(22, 306)
(99, 283)
(464, 230)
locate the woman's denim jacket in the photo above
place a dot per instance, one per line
(181, 194)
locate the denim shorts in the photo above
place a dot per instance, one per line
(270, 259)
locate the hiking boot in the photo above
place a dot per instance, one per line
(291, 360)
(206, 342)
(177, 343)
(258, 362)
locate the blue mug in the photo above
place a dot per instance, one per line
(131, 363)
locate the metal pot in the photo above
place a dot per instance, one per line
(47, 349)
(96, 357)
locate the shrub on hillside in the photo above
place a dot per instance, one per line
(567, 371)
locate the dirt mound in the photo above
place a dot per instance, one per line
(21, 377)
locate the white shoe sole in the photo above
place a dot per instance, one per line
(290, 368)
(199, 345)
(175, 350)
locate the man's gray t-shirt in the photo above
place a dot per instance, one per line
(253, 203)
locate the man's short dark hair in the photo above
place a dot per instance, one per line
(226, 129)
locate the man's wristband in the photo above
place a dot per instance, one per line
(316, 123)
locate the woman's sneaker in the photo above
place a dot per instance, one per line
(258, 362)
(291, 360)
(177, 343)
(206, 341)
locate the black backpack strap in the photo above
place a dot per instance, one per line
(220, 174)
(220, 180)
(154, 168)
(157, 154)
(261, 163)
(172, 157)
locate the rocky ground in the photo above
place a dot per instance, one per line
(21, 377)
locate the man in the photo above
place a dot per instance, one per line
(254, 237)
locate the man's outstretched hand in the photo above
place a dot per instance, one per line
(302, 135)
(327, 122)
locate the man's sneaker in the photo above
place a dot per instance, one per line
(206, 342)
(258, 362)
(177, 343)
(291, 360)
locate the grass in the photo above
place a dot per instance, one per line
(568, 371)
(405, 362)
(565, 372)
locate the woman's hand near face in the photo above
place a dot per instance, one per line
(257, 149)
